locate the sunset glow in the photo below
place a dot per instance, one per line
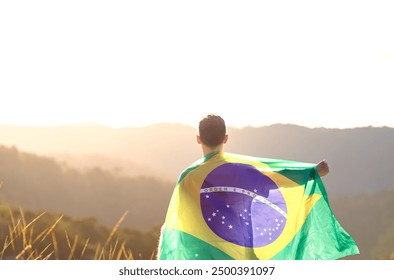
(134, 63)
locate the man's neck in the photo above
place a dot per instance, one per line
(207, 150)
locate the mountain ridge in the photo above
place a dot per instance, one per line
(164, 150)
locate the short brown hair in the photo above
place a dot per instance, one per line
(212, 130)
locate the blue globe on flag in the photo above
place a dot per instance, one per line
(242, 205)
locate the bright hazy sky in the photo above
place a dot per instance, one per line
(133, 63)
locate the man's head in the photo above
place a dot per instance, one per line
(212, 131)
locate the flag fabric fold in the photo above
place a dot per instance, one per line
(229, 206)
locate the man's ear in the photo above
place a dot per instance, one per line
(225, 139)
(198, 139)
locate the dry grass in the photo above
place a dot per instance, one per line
(21, 242)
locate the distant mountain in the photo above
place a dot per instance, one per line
(361, 159)
(40, 183)
(163, 148)
(368, 218)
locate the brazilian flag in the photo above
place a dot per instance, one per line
(229, 206)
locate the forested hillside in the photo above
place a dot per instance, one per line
(369, 219)
(41, 183)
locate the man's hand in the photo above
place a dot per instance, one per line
(322, 168)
